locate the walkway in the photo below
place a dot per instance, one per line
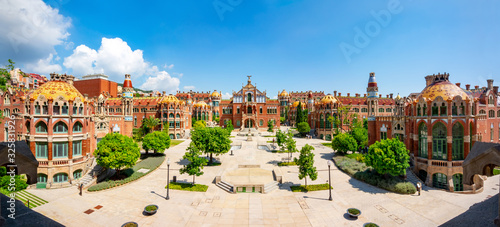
(281, 207)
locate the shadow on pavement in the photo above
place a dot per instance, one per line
(23, 216)
(479, 214)
(365, 186)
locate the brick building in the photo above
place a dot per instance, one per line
(95, 85)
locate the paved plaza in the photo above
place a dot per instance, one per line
(281, 207)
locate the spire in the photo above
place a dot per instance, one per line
(249, 80)
(127, 82)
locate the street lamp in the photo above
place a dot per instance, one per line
(329, 180)
(168, 178)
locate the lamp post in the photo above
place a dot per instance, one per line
(329, 180)
(168, 178)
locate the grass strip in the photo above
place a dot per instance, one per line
(188, 187)
(309, 188)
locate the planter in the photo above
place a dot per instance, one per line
(130, 224)
(370, 224)
(353, 212)
(150, 209)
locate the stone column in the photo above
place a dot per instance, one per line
(449, 140)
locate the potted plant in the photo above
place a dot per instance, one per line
(370, 224)
(151, 209)
(130, 224)
(353, 212)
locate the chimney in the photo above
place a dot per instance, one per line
(495, 89)
(364, 95)
(458, 84)
(340, 94)
(467, 87)
(429, 80)
(163, 93)
(476, 87)
(490, 84)
(391, 95)
(348, 94)
(335, 93)
(70, 79)
(380, 96)
(387, 96)
(357, 95)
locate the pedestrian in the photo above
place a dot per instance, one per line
(419, 187)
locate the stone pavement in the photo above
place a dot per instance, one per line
(278, 208)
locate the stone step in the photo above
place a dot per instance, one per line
(225, 186)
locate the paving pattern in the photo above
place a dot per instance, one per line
(281, 207)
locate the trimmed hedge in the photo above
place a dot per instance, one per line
(151, 162)
(309, 188)
(287, 164)
(188, 187)
(366, 174)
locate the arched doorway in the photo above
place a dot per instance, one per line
(439, 143)
(457, 182)
(422, 174)
(489, 170)
(249, 123)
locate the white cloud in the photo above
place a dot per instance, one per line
(44, 66)
(275, 97)
(226, 95)
(30, 29)
(168, 66)
(189, 87)
(114, 58)
(163, 82)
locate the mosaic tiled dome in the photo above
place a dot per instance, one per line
(296, 103)
(283, 93)
(200, 104)
(53, 89)
(170, 99)
(328, 99)
(215, 94)
(445, 89)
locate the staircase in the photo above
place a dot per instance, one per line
(410, 176)
(269, 187)
(226, 186)
(91, 176)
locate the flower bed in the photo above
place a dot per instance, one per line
(309, 188)
(366, 174)
(151, 162)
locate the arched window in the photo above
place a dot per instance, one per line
(45, 108)
(419, 110)
(178, 136)
(364, 110)
(458, 142)
(424, 110)
(249, 97)
(177, 116)
(491, 114)
(171, 115)
(321, 121)
(41, 127)
(28, 126)
(172, 136)
(439, 145)
(65, 109)
(77, 127)
(490, 100)
(454, 109)
(6, 100)
(381, 110)
(443, 110)
(261, 123)
(457, 182)
(483, 112)
(37, 108)
(77, 174)
(435, 110)
(388, 110)
(60, 178)
(56, 110)
(439, 180)
(41, 178)
(238, 123)
(135, 120)
(60, 127)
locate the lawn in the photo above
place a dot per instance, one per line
(287, 164)
(279, 151)
(327, 145)
(309, 188)
(496, 171)
(188, 187)
(175, 142)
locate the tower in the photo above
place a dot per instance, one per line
(283, 98)
(310, 102)
(372, 95)
(128, 105)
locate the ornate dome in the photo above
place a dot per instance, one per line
(328, 99)
(200, 104)
(215, 94)
(54, 89)
(283, 93)
(296, 103)
(169, 99)
(442, 87)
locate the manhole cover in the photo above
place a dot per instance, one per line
(98, 207)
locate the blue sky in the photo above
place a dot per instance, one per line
(293, 45)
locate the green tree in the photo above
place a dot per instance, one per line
(291, 145)
(298, 113)
(282, 120)
(342, 118)
(116, 151)
(344, 142)
(388, 157)
(150, 123)
(365, 123)
(211, 141)
(5, 74)
(281, 139)
(306, 164)
(270, 125)
(138, 134)
(217, 120)
(199, 124)
(7, 184)
(196, 163)
(229, 126)
(166, 127)
(156, 141)
(361, 136)
(303, 128)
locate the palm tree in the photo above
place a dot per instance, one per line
(150, 123)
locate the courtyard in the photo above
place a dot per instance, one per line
(280, 207)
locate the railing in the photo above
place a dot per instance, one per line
(43, 163)
(439, 163)
(78, 159)
(61, 162)
(457, 163)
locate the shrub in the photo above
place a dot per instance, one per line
(3, 171)
(303, 128)
(287, 164)
(357, 156)
(353, 211)
(388, 157)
